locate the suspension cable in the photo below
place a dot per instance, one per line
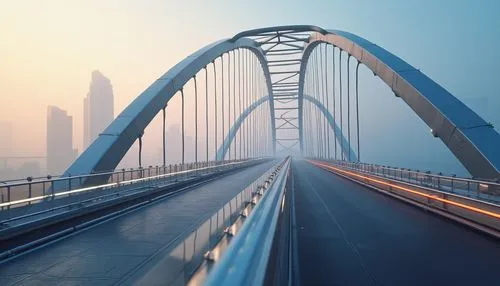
(195, 120)
(334, 99)
(206, 112)
(239, 100)
(140, 151)
(341, 117)
(323, 95)
(215, 113)
(247, 75)
(250, 99)
(320, 94)
(327, 103)
(182, 125)
(234, 99)
(357, 108)
(222, 105)
(229, 99)
(164, 139)
(254, 94)
(348, 109)
(318, 116)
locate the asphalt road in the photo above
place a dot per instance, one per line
(103, 255)
(351, 235)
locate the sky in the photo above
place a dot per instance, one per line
(49, 48)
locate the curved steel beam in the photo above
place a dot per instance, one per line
(108, 149)
(333, 126)
(473, 141)
(221, 152)
(291, 28)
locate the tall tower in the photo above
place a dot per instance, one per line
(60, 151)
(98, 108)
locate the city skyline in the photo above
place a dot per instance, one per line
(60, 152)
(135, 53)
(98, 107)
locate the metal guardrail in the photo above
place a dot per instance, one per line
(246, 259)
(186, 259)
(110, 172)
(477, 214)
(25, 193)
(488, 191)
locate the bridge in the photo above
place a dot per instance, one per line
(277, 191)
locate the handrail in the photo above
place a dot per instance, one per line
(245, 261)
(113, 172)
(480, 189)
(413, 172)
(427, 173)
(113, 184)
(478, 214)
(191, 260)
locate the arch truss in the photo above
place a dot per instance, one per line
(278, 80)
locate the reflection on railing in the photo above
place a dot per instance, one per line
(186, 257)
(34, 191)
(246, 259)
(477, 189)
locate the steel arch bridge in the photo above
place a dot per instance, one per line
(272, 80)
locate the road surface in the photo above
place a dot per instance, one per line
(107, 253)
(351, 235)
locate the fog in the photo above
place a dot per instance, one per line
(50, 48)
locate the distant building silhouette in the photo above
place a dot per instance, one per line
(60, 152)
(98, 110)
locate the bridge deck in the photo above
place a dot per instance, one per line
(350, 235)
(108, 253)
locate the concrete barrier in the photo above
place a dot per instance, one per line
(480, 215)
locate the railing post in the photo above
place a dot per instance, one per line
(29, 179)
(8, 196)
(452, 183)
(52, 190)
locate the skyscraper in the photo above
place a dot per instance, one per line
(60, 153)
(98, 111)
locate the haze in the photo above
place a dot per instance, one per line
(49, 49)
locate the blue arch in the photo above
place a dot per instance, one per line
(108, 149)
(333, 125)
(473, 141)
(221, 152)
